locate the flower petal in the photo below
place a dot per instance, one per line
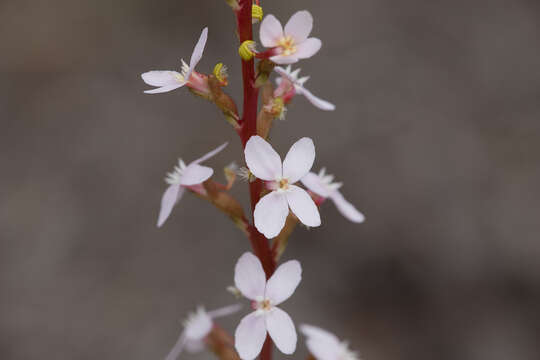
(262, 160)
(270, 214)
(346, 208)
(194, 346)
(283, 282)
(250, 335)
(249, 276)
(318, 334)
(210, 154)
(318, 102)
(195, 174)
(170, 197)
(224, 311)
(314, 183)
(324, 350)
(197, 52)
(270, 31)
(303, 207)
(283, 60)
(164, 89)
(177, 348)
(299, 26)
(281, 329)
(308, 48)
(299, 160)
(161, 77)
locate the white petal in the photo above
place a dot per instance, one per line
(318, 334)
(170, 197)
(299, 160)
(314, 183)
(210, 154)
(164, 89)
(224, 311)
(197, 52)
(346, 208)
(281, 329)
(303, 207)
(177, 348)
(270, 214)
(283, 60)
(299, 26)
(308, 48)
(324, 350)
(249, 276)
(318, 102)
(161, 78)
(195, 174)
(283, 282)
(262, 160)
(250, 335)
(270, 31)
(194, 346)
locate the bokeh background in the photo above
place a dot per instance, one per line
(436, 136)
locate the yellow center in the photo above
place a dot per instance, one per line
(287, 45)
(265, 305)
(283, 184)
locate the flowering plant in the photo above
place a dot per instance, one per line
(278, 201)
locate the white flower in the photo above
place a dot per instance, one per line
(196, 327)
(291, 43)
(167, 80)
(250, 279)
(298, 83)
(264, 162)
(184, 175)
(322, 185)
(324, 345)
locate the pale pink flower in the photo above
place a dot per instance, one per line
(264, 162)
(291, 43)
(324, 345)
(323, 185)
(167, 80)
(181, 177)
(250, 279)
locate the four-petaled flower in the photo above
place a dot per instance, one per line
(167, 80)
(184, 176)
(323, 185)
(291, 43)
(250, 279)
(264, 162)
(290, 79)
(324, 345)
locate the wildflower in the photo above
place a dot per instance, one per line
(291, 43)
(323, 185)
(196, 327)
(166, 80)
(289, 78)
(265, 295)
(184, 176)
(264, 162)
(324, 345)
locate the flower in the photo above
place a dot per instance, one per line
(250, 279)
(322, 185)
(184, 176)
(291, 43)
(264, 162)
(324, 345)
(196, 327)
(289, 77)
(167, 80)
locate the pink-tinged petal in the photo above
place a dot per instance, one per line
(195, 174)
(194, 346)
(284, 60)
(318, 102)
(324, 350)
(283, 282)
(308, 48)
(210, 154)
(249, 276)
(262, 160)
(224, 311)
(270, 31)
(164, 89)
(318, 334)
(197, 52)
(281, 329)
(346, 208)
(161, 77)
(303, 207)
(314, 183)
(299, 26)
(299, 160)
(270, 214)
(250, 335)
(170, 197)
(177, 348)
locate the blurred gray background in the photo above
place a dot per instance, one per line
(436, 136)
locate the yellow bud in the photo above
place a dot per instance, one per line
(220, 72)
(246, 50)
(256, 13)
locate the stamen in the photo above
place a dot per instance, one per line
(246, 50)
(220, 72)
(287, 45)
(256, 13)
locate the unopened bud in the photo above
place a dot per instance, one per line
(233, 4)
(220, 72)
(256, 13)
(247, 50)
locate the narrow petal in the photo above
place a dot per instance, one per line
(303, 207)
(210, 154)
(318, 102)
(224, 311)
(314, 183)
(194, 346)
(164, 89)
(318, 334)
(197, 52)
(177, 348)
(299, 26)
(324, 350)
(299, 160)
(281, 329)
(161, 78)
(170, 197)
(284, 60)
(195, 174)
(346, 208)
(270, 31)
(250, 335)
(308, 48)
(262, 160)
(270, 214)
(283, 282)
(249, 276)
